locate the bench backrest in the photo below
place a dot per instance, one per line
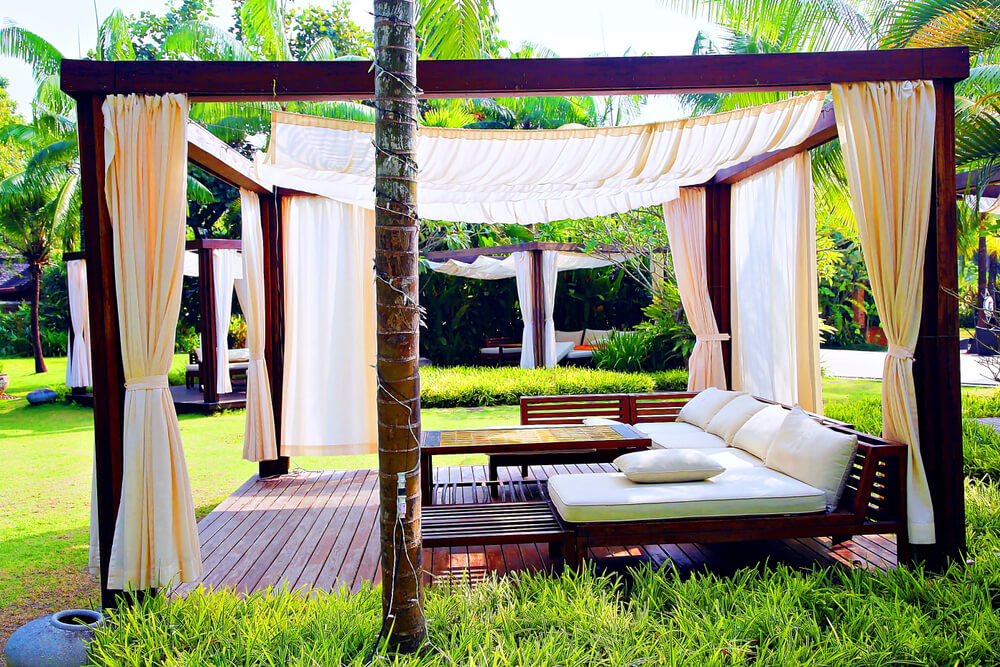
(574, 409)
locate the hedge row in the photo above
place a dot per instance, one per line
(475, 386)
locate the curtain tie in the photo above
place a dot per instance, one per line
(899, 352)
(704, 338)
(147, 382)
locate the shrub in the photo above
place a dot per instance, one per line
(624, 351)
(468, 386)
(673, 380)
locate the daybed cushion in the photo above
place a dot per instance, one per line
(580, 354)
(667, 465)
(731, 458)
(595, 335)
(705, 405)
(678, 435)
(612, 497)
(813, 454)
(600, 421)
(733, 416)
(758, 433)
(575, 337)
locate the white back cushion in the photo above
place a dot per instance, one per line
(813, 454)
(733, 416)
(595, 335)
(668, 465)
(575, 337)
(705, 405)
(757, 434)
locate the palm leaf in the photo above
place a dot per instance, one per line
(925, 23)
(114, 38)
(198, 192)
(31, 48)
(205, 41)
(457, 29)
(60, 152)
(263, 28)
(50, 99)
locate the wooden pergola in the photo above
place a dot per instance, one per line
(936, 369)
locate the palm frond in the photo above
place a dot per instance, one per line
(342, 110)
(114, 37)
(31, 48)
(60, 152)
(457, 29)
(924, 23)
(50, 99)
(198, 192)
(321, 50)
(205, 41)
(263, 27)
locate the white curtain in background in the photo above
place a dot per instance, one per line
(78, 366)
(225, 267)
(156, 541)
(328, 401)
(522, 270)
(887, 135)
(550, 278)
(775, 309)
(259, 439)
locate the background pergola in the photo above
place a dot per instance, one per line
(936, 369)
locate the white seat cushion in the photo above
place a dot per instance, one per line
(562, 349)
(678, 435)
(733, 416)
(813, 454)
(705, 405)
(731, 458)
(508, 349)
(747, 492)
(654, 466)
(758, 433)
(580, 354)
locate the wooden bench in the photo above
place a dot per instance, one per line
(873, 502)
(494, 523)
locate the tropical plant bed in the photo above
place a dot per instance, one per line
(472, 386)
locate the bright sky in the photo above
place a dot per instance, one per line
(571, 28)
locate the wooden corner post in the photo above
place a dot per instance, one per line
(936, 370)
(718, 205)
(274, 320)
(537, 287)
(398, 322)
(105, 343)
(206, 301)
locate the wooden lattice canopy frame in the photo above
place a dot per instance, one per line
(936, 369)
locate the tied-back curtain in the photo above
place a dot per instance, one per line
(887, 134)
(225, 268)
(550, 277)
(156, 541)
(525, 296)
(328, 402)
(775, 309)
(78, 367)
(685, 221)
(259, 439)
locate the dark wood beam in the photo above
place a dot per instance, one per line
(214, 244)
(825, 130)
(70, 256)
(220, 160)
(936, 372)
(966, 183)
(206, 302)
(347, 80)
(718, 204)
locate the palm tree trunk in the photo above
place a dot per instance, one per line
(36, 333)
(397, 322)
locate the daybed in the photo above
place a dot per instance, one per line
(583, 344)
(507, 351)
(760, 494)
(239, 361)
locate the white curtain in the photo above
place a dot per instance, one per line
(685, 221)
(328, 402)
(775, 307)
(550, 278)
(531, 176)
(259, 439)
(156, 541)
(225, 268)
(522, 269)
(78, 367)
(887, 135)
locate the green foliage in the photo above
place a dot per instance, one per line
(468, 386)
(624, 351)
(333, 27)
(53, 315)
(457, 29)
(672, 380)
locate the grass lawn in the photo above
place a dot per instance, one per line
(47, 461)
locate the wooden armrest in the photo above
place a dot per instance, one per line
(876, 485)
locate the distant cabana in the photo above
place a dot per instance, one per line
(535, 266)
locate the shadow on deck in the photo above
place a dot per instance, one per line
(320, 530)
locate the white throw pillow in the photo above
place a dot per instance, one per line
(755, 437)
(600, 421)
(575, 337)
(705, 405)
(667, 465)
(733, 416)
(814, 454)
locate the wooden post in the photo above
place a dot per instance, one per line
(936, 360)
(206, 300)
(105, 343)
(537, 287)
(398, 322)
(274, 326)
(718, 204)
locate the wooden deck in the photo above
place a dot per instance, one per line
(320, 530)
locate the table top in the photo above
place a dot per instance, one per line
(532, 439)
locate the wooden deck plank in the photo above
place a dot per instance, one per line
(320, 530)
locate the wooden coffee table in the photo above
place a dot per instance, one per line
(562, 439)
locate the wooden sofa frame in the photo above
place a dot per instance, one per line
(873, 502)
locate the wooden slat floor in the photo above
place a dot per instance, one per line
(320, 530)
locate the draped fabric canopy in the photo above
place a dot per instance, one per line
(485, 267)
(532, 176)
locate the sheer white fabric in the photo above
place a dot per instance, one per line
(531, 176)
(685, 221)
(225, 267)
(550, 277)
(78, 366)
(887, 135)
(191, 265)
(525, 296)
(986, 204)
(259, 439)
(775, 306)
(156, 540)
(486, 267)
(328, 402)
